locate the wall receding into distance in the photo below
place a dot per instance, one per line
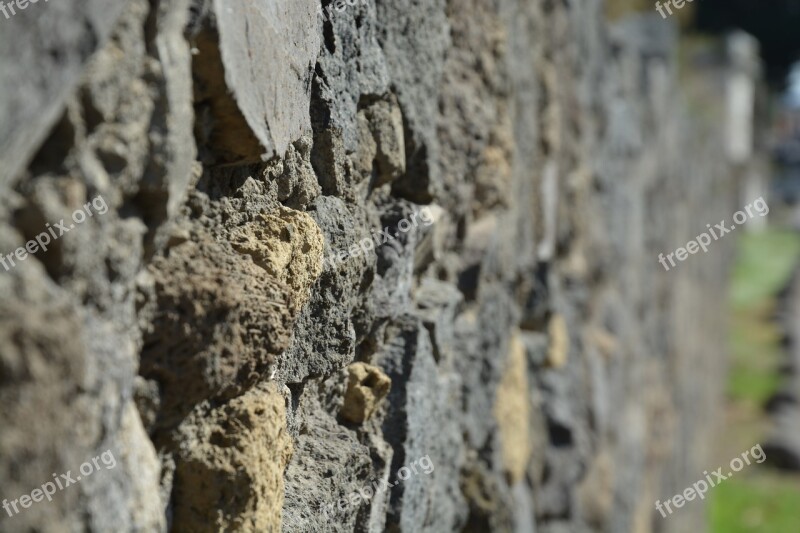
(403, 232)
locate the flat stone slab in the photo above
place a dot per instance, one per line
(269, 48)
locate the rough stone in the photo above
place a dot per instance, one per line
(366, 387)
(235, 453)
(512, 411)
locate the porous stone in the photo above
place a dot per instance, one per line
(512, 411)
(234, 453)
(288, 246)
(366, 387)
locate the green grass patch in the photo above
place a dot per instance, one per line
(761, 500)
(764, 263)
(756, 352)
(755, 387)
(763, 504)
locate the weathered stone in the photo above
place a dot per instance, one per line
(51, 45)
(202, 282)
(272, 90)
(558, 351)
(235, 453)
(512, 411)
(329, 464)
(288, 246)
(366, 387)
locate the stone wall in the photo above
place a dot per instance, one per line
(406, 233)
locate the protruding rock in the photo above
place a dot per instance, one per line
(366, 387)
(512, 411)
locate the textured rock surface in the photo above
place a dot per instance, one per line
(47, 47)
(234, 454)
(340, 247)
(366, 387)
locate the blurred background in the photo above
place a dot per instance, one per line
(763, 386)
